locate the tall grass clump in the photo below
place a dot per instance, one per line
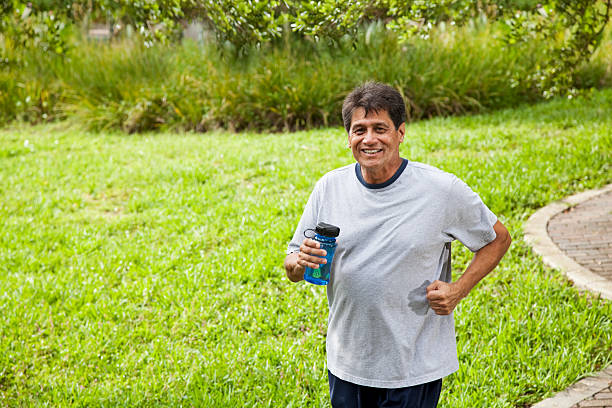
(290, 84)
(118, 85)
(299, 84)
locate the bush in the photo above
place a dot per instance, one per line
(28, 90)
(295, 84)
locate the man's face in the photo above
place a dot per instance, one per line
(375, 141)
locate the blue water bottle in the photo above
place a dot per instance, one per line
(326, 235)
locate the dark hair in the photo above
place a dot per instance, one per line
(374, 96)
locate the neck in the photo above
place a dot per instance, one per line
(380, 175)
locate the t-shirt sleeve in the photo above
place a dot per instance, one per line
(468, 219)
(308, 220)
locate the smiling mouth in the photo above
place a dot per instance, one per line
(371, 151)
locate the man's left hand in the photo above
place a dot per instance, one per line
(443, 297)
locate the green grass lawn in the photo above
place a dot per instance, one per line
(145, 270)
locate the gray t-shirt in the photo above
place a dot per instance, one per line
(394, 241)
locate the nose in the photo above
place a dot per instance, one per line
(369, 136)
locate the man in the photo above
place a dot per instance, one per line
(390, 337)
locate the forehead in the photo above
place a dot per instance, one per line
(374, 117)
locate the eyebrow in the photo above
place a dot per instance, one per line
(380, 123)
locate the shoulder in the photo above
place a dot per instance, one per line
(337, 176)
(431, 176)
(447, 185)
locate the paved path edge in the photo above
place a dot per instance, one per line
(578, 392)
(536, 235)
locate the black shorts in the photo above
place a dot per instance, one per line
(345, 394)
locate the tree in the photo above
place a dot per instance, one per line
(571, 30)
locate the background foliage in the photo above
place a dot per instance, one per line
(295, 84)
(569, 30)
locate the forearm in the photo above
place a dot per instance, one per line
(485, 260)
(295, 272)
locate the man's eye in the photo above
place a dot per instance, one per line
(359, 131)
(381, 130)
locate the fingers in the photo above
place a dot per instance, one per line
(435, 285)
(310, 261)
(434, 290)
(442, 310)
(442, 307)
(435, 295)
(311, 255)
(439, 299)
(440, 304)
(311, 246)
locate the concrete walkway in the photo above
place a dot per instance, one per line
(575, 236)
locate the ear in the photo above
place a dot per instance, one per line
(402, 131)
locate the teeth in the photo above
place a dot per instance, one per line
(371, 150)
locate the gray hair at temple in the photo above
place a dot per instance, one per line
(374, 96)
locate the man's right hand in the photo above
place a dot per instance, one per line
(310, 255)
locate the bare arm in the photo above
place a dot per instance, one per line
(443, 297)
(309, 255)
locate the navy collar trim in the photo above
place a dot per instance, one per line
(383, 184)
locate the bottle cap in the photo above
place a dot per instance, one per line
(327, 230)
